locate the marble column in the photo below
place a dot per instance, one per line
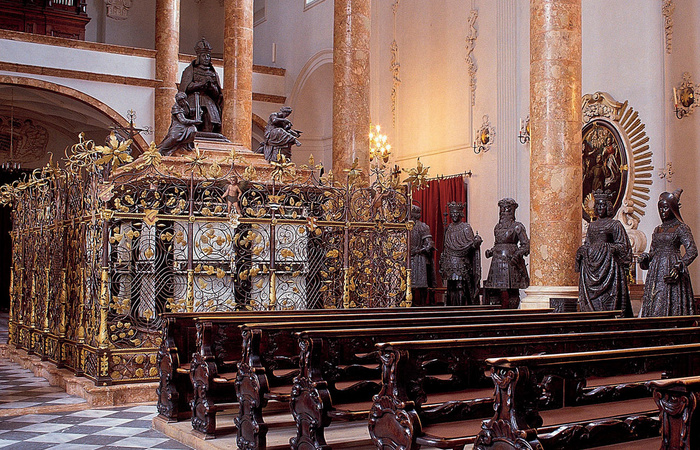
(555, 161)
(167, 48)
(237, 111)
(351, 85)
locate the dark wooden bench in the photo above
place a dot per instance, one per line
(179, 336)
(213, 366)
(336, 383)
(268, 347)
(518, 389)
(413, 404)
(677, 400)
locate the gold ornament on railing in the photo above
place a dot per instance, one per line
(150, 157)
(418, 176)
(115, 153)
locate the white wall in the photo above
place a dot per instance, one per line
(683, 136)
(623, 55)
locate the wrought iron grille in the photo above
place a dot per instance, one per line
(104, 245)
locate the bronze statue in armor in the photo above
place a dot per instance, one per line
(460, 261)
(422, 248)
(667, 288)
(508, 272)
(603, 261)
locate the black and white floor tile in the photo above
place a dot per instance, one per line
(125, 427)
(92, 429)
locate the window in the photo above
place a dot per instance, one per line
(309, 3)
(258, 12)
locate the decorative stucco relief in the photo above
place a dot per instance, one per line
(394, 66)
(472, 34)
(118, 9)
(667, 9)
(28, 140)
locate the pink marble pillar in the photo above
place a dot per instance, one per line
(237, 111)
(555, 162)
(351, 85)
(167, 48)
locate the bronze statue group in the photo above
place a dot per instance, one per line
(603, 261)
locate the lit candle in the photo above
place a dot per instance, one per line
(675, 97)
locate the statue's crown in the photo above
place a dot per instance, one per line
(202, 47)
(455, 206)
(600, 194)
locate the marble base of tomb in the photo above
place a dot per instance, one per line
(218, 152)
(538, 296)
(83, 387)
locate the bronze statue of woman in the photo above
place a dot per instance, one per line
(667, 288)
(603, 261)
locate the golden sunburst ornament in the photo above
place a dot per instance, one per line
(282, 168)
(196, 161)
(115, 153)
(354, 172)
(150, 157)
(418, 176)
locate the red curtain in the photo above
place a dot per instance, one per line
(433, 200)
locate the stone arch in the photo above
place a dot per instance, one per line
(104, 109)
(310, 98)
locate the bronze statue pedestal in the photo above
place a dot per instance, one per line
(213, 153)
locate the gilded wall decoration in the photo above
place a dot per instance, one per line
(684, 96)
(616, 156)
(667, 173)
(394, 65)
(28, 141)
(667, 9)
(472, 34)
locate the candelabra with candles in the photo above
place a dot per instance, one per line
(378, 146)
(524, 133)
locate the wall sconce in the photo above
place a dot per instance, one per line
(524, 133)
(378, 147)
(684, 97)
(484, 136)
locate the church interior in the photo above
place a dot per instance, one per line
(349, 224)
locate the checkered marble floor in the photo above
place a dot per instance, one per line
(19, 388)
(126, 427)
(91, 429)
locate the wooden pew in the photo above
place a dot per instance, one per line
(411, 403)
(219, 343)
(329, 360)
(179, 335)
(517, 391)
(677, 400)
(269, 347)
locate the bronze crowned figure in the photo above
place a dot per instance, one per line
(200, 83)
(460, 261)
(422, 248)
(603, 261)
(508, 272)
(667, 288)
